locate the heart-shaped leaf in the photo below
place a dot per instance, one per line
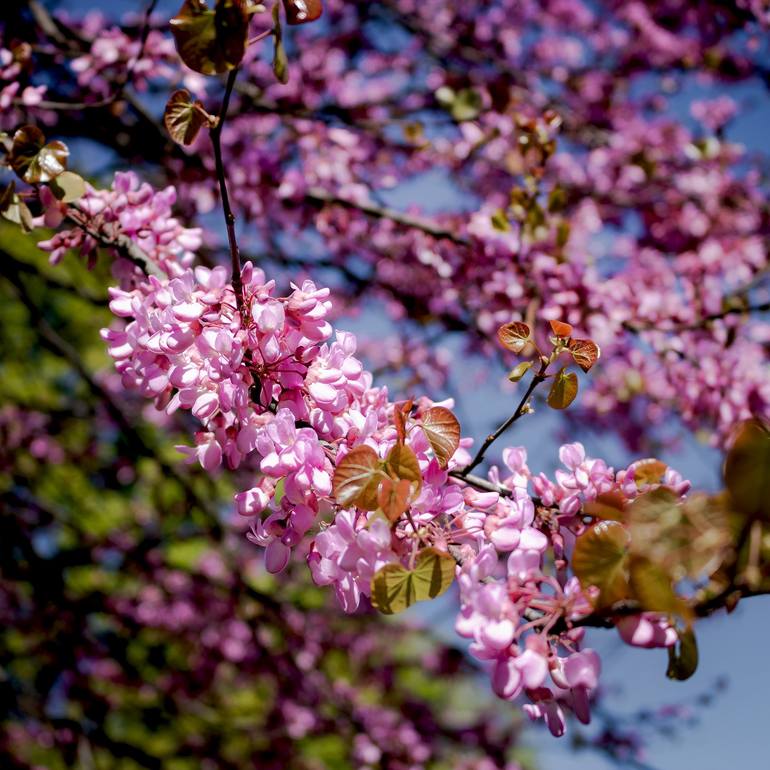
(563, 389)
(393, 497)
(442, 430)
(68, 187)
(561, 329)
(653, 587)
(683, 657)
(33, 160)
(357, 478)
(211, 41)
(394, 588)
(608, 506)
(401, 463)
(514, 336)
(747, 471)
(600, 559)
(585, 353)
(184, 117)
(302, 11)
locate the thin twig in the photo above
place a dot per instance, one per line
(216, 139)
(520, 410)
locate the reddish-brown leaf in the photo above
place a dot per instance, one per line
(443, 433)
(514, 336)
(649, 472)
(302, 11)
(184, 117)
(561, 329)
(585, 353)
(393, 497)
(608, 506)
(401, 412)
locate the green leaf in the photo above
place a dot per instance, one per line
(401, 463)
(683, 657)
(514, 336)
(585, 353)
(302, 11)
(654, 589)
(747, 471)
(357, 477)
(394, 588)
(519, 371)
(466, 105)
(184, 117)
(68, 187)
(211, 42)
(563, 390)
(608, 506)
(442, 430)
(600, 559)
(185, 554)
(34, 161)
(280, 60)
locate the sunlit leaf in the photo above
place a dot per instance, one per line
(33, 160)
(401, 463)
(442, 430)
(561, 329)
(563, 389)
(466, 105)
(393, 497)
(600, 559)
(302, 11)
(357, 477)
(184, 117)
(585, 353)
(280, 60)
(747, 471)
(683, 657)
(68, 187)
(211, 41)
(519, 371)
(649, 472)
(394, 588)
(514, 336)
(17, 212)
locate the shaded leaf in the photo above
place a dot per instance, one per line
(561, 329)
(654, 589)
(563, 389)
(747, 470)
(519, 371)
(211, 41)
(357, 477)
(600, 559)
(608, 506)
(585, 353)
(683, 657)
(184, 117)
(514, 336)
(33, 160)
(401, 463)
(442, 430)
(6, 196)
(393, 497)
(466, 105)
(394, 588)
(68, 187)
(302, 11)
(17, 212)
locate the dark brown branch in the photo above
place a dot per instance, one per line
(216, 139)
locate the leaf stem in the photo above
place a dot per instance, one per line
(216, 140)
(520, 410)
